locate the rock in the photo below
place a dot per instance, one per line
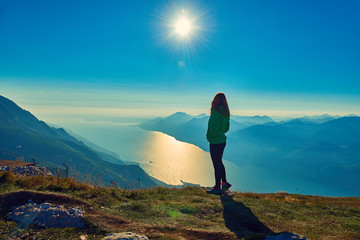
(4, 169)
(27, 171)
(83, 237)
(47, 215)
(286, 236)
(25, 215)
(125, 236)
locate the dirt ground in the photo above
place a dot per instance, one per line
(15, 163)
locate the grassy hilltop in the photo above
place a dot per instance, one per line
(186, 213)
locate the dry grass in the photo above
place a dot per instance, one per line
(189, 213)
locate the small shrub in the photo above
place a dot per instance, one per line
(7, 176)
(186, 209)
(139, 207)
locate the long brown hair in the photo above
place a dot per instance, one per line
(220, 104)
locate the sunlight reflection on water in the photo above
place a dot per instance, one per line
(170, 161)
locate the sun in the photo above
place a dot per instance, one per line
(183, 26)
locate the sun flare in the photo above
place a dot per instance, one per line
(183, 26)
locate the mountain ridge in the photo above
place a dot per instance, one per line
(322, 152)
(22, 134)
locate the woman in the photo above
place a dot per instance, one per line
(219, 123)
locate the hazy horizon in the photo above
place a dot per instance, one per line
(56, 106)
(61, 114)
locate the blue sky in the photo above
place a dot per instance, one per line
(269, 57)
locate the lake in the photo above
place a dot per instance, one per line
(172, 161)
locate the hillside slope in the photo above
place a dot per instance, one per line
(186, 213)
(22, 134)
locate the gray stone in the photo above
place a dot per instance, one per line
(25, 215)
(4, 169)
(83, 237)
(47, 215)
(125, 236)
(27, 171)
(286, 236)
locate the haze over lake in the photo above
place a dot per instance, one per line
(172, 161)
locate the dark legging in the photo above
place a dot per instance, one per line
(216, 153)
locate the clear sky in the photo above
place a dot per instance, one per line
(124, 58)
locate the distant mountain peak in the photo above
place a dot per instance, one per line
(179, 114)
(352, 115)
(257, 119)
(202, 115)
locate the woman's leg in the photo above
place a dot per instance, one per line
(216, 153)
(222, 167)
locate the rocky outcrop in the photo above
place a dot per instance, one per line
(125, 236)
(26, 171)
(47, 215)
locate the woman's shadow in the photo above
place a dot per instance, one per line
(240, 219)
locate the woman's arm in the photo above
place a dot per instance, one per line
(227, 124)
(213, 125)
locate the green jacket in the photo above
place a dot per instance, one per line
(217, 127)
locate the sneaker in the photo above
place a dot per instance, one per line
(215, 191)
(225, 186)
